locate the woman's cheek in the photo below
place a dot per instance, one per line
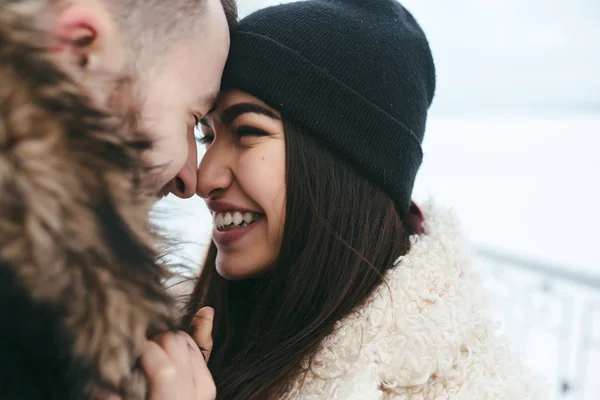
(263, 179)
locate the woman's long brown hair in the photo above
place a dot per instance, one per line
(341, 234)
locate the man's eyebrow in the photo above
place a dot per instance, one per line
(209, 99)
(212, 100)
(231, 113)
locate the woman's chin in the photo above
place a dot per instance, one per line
(237, 270)
(231, 274)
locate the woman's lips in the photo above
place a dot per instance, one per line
(229, 235)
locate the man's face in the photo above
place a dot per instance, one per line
(179, 86)
(182, 87)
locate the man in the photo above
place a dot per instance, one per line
(173, 52)
(164, 57)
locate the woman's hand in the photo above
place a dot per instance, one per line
(175, 365)
(202, 330)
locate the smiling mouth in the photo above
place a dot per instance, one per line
(228, 220)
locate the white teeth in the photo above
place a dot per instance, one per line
(237, 218)
(248, 218)
(233, 218)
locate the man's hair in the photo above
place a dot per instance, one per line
(152, 26)
(231, 11)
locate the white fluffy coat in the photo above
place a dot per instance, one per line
(424, 335)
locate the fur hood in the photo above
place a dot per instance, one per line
(80, 287)
(421, 335)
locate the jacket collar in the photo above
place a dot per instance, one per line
(417, 323)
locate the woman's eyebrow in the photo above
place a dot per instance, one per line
(229, 115)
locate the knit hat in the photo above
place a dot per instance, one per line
(358, 74)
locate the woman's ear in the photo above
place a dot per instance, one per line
(87, 39)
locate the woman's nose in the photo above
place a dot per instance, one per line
(214, 174)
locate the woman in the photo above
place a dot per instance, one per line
(327, 282)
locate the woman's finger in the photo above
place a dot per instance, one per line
(202, 326)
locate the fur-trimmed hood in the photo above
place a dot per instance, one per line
(421, 335)
(80, 286)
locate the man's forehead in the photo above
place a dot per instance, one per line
(210, 100)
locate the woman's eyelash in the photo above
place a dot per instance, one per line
(240, 132)
(249, 131)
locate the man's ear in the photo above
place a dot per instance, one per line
(85, 38)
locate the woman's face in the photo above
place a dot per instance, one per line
(242, 179)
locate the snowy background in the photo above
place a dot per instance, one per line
(513, 144)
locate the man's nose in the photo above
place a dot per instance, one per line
(184, 184)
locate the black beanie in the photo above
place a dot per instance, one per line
(357, 73)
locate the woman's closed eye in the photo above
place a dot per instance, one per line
(240, 132)
(246, 130)
(205, 135)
